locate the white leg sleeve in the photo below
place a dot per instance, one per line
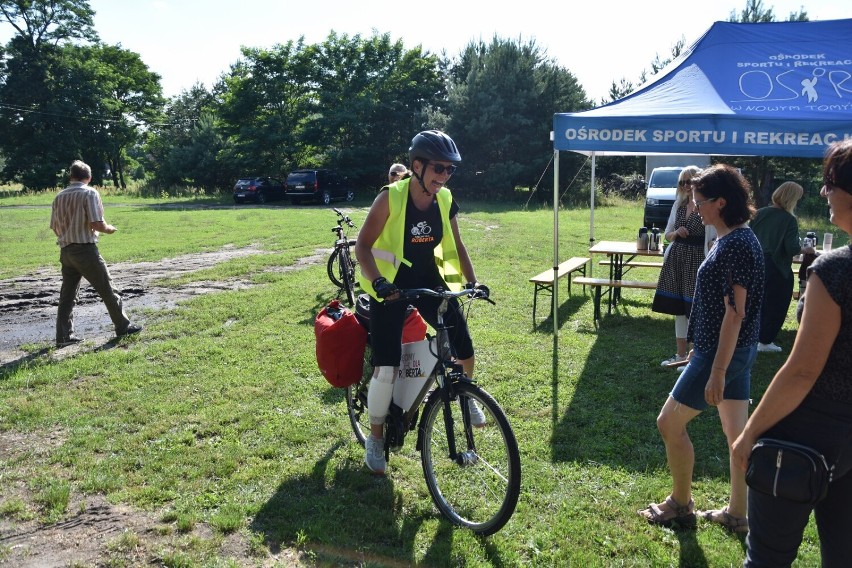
(380, 394)
(681, 325)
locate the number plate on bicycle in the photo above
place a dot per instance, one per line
(415, 369)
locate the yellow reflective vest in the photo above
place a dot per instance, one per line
(388, 248)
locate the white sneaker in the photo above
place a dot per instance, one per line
(672, 360)
(477, 417)
(768, 348)
(375, 455)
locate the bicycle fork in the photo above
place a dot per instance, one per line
(447, 395)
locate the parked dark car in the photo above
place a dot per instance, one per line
(259, 189)
(322, 186)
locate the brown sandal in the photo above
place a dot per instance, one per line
(724, 518)
(683, 515)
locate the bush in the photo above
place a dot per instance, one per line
(631, 186)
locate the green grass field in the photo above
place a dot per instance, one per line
(216, 416)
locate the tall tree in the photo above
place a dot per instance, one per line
(502, 97)
(40, 22)
(201, 160)
(31, 113)
(263, 102)
(62, 98)
(166, 147)
(624, 87)
(127, 98)
(71, 102)
(370, 99)
(755, 13)
(351, 103)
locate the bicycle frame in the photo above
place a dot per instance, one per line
(423, 364)
(472, 470)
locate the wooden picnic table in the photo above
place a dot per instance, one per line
(620, 253)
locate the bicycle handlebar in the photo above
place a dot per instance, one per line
(412, 293)
(342, 218)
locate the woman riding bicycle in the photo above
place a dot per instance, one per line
(410, 239)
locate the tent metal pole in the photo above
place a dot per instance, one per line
(592, 214)
(555, 295)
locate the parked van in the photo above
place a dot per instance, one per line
(660, 195)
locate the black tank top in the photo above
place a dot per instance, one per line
(423, 232)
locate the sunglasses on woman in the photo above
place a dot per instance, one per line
(698, 204)
(441, 168)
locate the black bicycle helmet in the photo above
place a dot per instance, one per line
(433, 145)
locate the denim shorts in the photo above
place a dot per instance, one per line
(689, 388)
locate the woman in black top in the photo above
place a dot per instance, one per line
(810, 399)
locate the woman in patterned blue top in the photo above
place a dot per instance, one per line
(810, 399)
(723, 328)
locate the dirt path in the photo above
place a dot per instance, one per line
(102, 534)
(97, 533)
(28, 303)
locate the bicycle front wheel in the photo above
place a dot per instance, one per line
(478, 487)
(333, 268)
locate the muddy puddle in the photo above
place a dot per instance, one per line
(28, 303)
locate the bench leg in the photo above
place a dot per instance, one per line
(535, 298)
(538, 288)
(597, 303)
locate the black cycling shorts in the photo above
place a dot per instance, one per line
(387, 319)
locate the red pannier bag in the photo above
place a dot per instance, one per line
(414, 328)
(341, 342)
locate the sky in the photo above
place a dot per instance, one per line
(189, 41)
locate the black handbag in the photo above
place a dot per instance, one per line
(787, 470)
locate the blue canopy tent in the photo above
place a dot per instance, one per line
(767, 89)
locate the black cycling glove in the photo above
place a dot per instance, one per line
(384, 288)
(483, 290)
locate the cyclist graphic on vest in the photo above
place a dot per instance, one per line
(421, 229)
(429, 254)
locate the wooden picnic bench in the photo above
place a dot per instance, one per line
(544, 281)
(599, 283)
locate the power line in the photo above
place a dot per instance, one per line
(134, 122)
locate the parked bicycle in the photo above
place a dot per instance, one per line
(473, 473)
(342, 263)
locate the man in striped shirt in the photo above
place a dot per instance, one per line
(77, 218)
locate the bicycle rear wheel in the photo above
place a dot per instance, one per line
(347, 273)
(478, 488)
(356, 401)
